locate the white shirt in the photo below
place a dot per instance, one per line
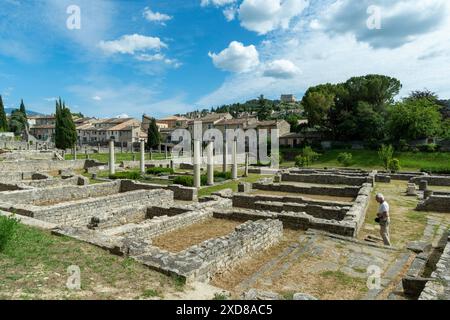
(384, 207)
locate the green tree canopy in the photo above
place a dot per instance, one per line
(414, 119)
(17, 123)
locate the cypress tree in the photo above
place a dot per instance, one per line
(22, 108)
(153, 136)
(65, 130)
(3, 120)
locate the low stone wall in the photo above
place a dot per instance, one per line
(358, 211)
(148, 163)
(435, 203)
(325, 179)
(60, 193)
(47, 183)
(325, 190)
(201, 262)
(180, 192)
(290, 220)
(341, 172)
(80, 212)
(9, 187)
(318, 211)
(439, 286)
(433, 180)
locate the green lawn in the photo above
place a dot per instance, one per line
(104, 157)
(34, 266)
(206, 191)
(368, 159)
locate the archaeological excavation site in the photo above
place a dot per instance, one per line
(261, 233)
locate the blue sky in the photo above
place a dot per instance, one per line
(163, 57)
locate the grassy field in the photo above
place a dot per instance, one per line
(104, 157)
(34, 266)
(206, 191)
(368, 159)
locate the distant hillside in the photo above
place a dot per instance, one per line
(29, 112)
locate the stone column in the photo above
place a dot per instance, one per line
(197, 164)
(234, 161)
(247, 160)
(98, 147)
(225, 156)
(210, 162)
(142, 157)
(112, 158)
(165, 151)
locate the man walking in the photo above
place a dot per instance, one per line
(383, 218)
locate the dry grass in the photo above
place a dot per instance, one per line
(186, 237)
(406, 223)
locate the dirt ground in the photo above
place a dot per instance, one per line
(186, 237)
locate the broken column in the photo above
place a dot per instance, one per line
(197, 164)
(247, 160)
(411, 191)
(142, 157)
(423, 185)
(112, 158)
(234, 167)
(225, 156)
(210, 162)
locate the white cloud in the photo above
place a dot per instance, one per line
(51, 99)
(159, 57)
(217, 3)
(263, 16)
(230, 13)
(122, 116)
(281, 69)
(236, 58)
(130, 44)
(156, 16)
(401, 21)
(97, 98)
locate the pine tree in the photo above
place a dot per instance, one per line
(65, 130)
(3, 120)
(153, 136)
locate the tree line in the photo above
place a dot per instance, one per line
(65, 131)
(364, 108)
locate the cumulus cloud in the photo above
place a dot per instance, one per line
(281, 69)
(263, 16)
(401, 21)
(156, 16)
(130, 44)
(236, 58)
(230, 13)
(97, 98)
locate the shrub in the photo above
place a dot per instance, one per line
(159, 170)
(131, 175)
(306, 157)
(385, 154)
(345, 158)
(223, 175)
(188, 181)
(394, 165)
(8, 228)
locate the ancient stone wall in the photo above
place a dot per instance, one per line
(436, 203)
(433, 180)
(202, 261)
(80, 212)
(439, 287)
(180, 192)
(47, 183)
(325, 179)
(322, 190)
